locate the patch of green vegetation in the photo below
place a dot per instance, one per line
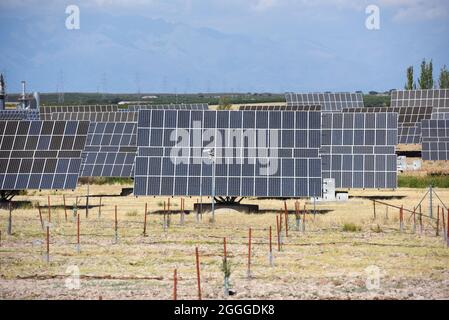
(376, 100)
(351, 227)
(438, 181)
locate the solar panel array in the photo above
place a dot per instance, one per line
(435, 140)
(178, 106)
(96, 116)
(328, 101)
(436, 98)
(17, 114)
(264, 153)
(41, 154)
(79, 108)
(279, 108)
(358, 149)
(110, 150)
(414, 106)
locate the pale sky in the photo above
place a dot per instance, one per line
(233, 45)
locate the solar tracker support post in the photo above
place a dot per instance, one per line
(40, 215)
(374, 207)
(145, 221)
(198, 272)
(10, 220)
(175, 285)
(314, 207)
(248, 273)
(65, 207)
(401, 219)
(0, 238)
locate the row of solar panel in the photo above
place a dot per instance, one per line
(232, 186)
(229, 119)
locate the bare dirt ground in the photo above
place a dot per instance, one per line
(376, 261)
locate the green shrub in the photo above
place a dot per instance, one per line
(351, 227)
(438, 181)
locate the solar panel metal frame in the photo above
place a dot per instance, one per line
(329, 102)
(19, 114)
(176, 106)
(79, 108)
(41, 154)
(118, 116)
(110, 150)
(279, 108)
(298, 172)
(435, 140)
(359, 149)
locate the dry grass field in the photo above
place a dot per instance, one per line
(327, 261)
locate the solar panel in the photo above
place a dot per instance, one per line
(96, 116)
(41, 154)
(178, 106)
(435, 139)
(358, 149)
(440, 115)
(258, 153)
(279, 108)
(366, 110)
(110, 150)
(79, 108)
(436, 98)
(18, 114)
(409, 127)
(413, 107)
(328, 101)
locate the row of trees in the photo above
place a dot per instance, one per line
(425, 81)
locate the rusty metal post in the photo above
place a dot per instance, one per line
(175, 285)
(270, 253)
(198, 272)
